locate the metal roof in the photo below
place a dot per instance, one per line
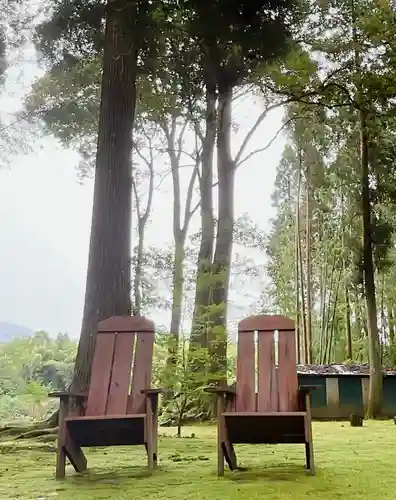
(339, 369)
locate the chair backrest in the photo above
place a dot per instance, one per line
(121, 366)
(277, 384)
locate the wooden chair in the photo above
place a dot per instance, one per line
(280, 410)
(120, 407)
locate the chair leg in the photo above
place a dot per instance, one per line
(155, 439)
(309, 452)
(60, 461)
(309, 457)
(150, 455)
(220, 459)
(75, 454)
(149, 437)
(229, 455)
(61, 452)
(220, 446)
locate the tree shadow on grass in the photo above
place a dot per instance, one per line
(113, 476)
(272, 472)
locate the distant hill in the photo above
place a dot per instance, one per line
(9, 331)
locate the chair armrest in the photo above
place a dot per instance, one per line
(221, 391)
(68, 394)
(150, 392)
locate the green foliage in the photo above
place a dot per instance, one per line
(352, 41)
(29, 368)
(185, 377)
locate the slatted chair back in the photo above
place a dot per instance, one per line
(276, 376)
(121, 366)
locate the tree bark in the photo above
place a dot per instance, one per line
(109, 269)
(225, 226)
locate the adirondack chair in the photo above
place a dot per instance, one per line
(120, 407)
(280, 410)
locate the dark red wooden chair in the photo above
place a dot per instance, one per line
(279, 412)
(120, 407)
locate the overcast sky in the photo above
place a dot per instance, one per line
(45, 217)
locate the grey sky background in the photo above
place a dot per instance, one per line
(45, 216)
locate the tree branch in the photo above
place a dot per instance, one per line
(187, 209)
(149, 204)
(257, 123)
(268, 145)
(135, 192)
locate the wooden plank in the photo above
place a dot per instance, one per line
(105, 417)
(245, 376)
(126, 324)
(141, 378)
(62, 432)
(75, 455)
(121, 374)
(287, 371)
(332, 392)
(100, 376)
(267, 398)
(265, 414)
(266, 323)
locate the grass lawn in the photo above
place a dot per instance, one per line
(352, 463)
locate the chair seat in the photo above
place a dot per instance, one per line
(107, 430)
(265, 428)
(265, 414)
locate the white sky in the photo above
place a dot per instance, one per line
(45, 218)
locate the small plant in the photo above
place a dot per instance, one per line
(186, 382)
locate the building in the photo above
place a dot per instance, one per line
(343, 389)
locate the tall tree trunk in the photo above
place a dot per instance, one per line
(177, 298)
(200, 319)
(297, 282)
(138, 272)
(333, 318)
(142, 217)
(309, 264)
(348, 332)
(225, 226)
(179, 240)
(358, 316)
(301, 267)
(109, 269)
(383, 321)
(180, 229)
(375, 388)
(391, 324)
(328, 312)
(323, 297)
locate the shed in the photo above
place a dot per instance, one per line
(343, 389)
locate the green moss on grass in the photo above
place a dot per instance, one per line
(352, 463)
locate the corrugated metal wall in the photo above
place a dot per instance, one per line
(339, 396)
